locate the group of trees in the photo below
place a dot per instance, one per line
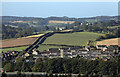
(51, 75)
(65, 65)
(31, 25)
(100, 27)
(11, 32)
(16, 32)
(48, 75)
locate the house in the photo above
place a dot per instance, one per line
(96, 54)
(27, 54)
(54, 51)
(74, 54)
(113, 47)
(73, 50)
(65, 49)
(105, 54)
(96, 50)
(38, 56)
(104, 49)
(93, 58)
(105, 59)
(84, 52)
(45, 54)
(1, 55)
(35, 52)
(76, 48)
(69, 55)
(69, 52)
(92, 47)
(101, 47)
(53, 56)
(87, 48)
(66, 52)
(61, 53)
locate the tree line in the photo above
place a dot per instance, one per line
(65, 65)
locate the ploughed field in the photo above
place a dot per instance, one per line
(18, 42)
(114, 41)
(76, 38)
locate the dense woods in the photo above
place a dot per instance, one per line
(11, 32)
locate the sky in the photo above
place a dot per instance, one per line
(59, 9)
(60, 0)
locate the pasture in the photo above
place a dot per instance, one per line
(14, 48)
(76, 38)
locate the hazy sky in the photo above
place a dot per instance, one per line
(60, 0)
(70, 9)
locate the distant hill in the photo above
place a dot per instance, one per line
(38, 21)
(101, 18)
(98, 18)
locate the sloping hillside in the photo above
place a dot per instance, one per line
(18, 42)
(115, 41)
(76, 38)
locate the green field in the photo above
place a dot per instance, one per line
(113, 27)
(54, 24)
(15, 49)
(76, 38)
(46, 47)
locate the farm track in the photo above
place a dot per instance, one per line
(40, 40)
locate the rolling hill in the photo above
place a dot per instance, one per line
(38, 21)
(76, 38)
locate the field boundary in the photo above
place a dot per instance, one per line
(61, 45)
(42, 38)
(14, 46)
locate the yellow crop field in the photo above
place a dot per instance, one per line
(64, 22)
(33, 36)
(115, 41)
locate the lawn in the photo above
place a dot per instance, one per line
(15, 48)
(76, 38)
